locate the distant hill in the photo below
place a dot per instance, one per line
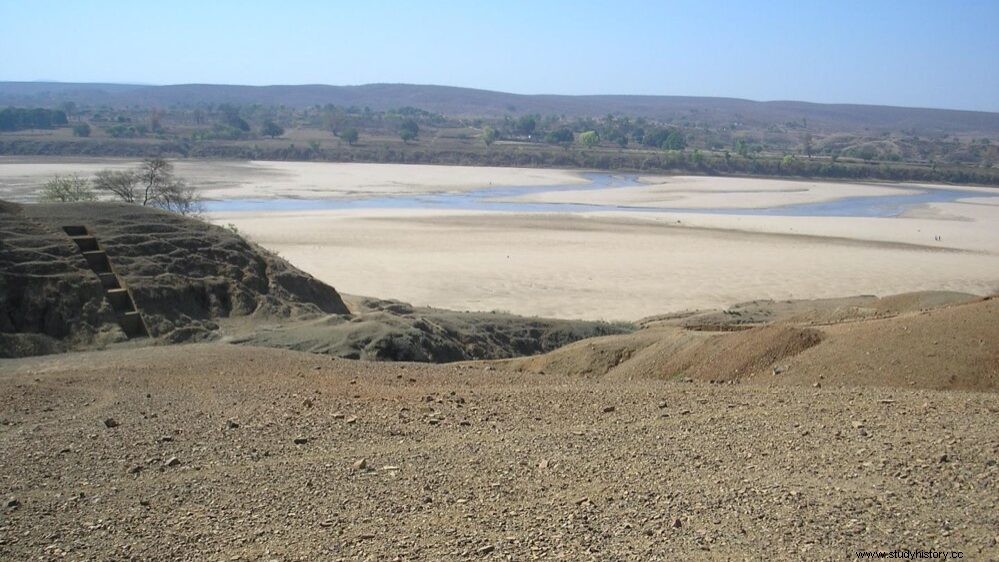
(470, 102)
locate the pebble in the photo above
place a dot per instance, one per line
(110, 423)
(173, 461)
(485, 549)
(231, 425)
(301, 440)
(677, 523)
(361, 464)
(608, 409)
(13, 502)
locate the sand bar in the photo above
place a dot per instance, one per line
(21, 177)
(692, 192)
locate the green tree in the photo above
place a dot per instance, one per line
(409, 130)
(742, 148)
(81, 130)
(589, 139)
(560, 136)
(68, 189)
(807, 144)
(489, 136)
(350, 135)
(271, 129)
(674, 141)
(526, 125)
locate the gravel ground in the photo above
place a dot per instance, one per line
(216, 452)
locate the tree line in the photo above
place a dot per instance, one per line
(20, 118)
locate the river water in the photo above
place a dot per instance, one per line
(489, 199)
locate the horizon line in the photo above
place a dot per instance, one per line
(322, 84)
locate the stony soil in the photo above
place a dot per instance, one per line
(216, 452)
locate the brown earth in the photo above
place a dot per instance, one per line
(921, 340)
(461, 462)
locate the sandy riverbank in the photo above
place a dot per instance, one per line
(597, 266)
(622, 267)
(21, 177)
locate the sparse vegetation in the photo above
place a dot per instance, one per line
(68, 189)
(271, 129)
(81, 130)
(409, 130)
(753, 146)
(152, 184)
(350, 136)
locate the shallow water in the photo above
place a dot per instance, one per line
(486, 200)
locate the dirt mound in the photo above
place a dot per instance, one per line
(183, 274)
(676, 353)
(952, 347)
(740, 355)
(919, 340)
(813, 311)
(387, 330)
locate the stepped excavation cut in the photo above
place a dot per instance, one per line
(115, 291)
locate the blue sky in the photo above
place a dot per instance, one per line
(911, 53)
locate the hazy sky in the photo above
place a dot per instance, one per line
(904, 52)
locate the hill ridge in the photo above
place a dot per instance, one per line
(460, 101)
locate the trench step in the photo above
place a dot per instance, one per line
(98, 261)
(86, 243)
(117, 295)
(131, 323)
(109, 281)
(120, 300)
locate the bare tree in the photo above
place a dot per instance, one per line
(153, 184)
(121, 184)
